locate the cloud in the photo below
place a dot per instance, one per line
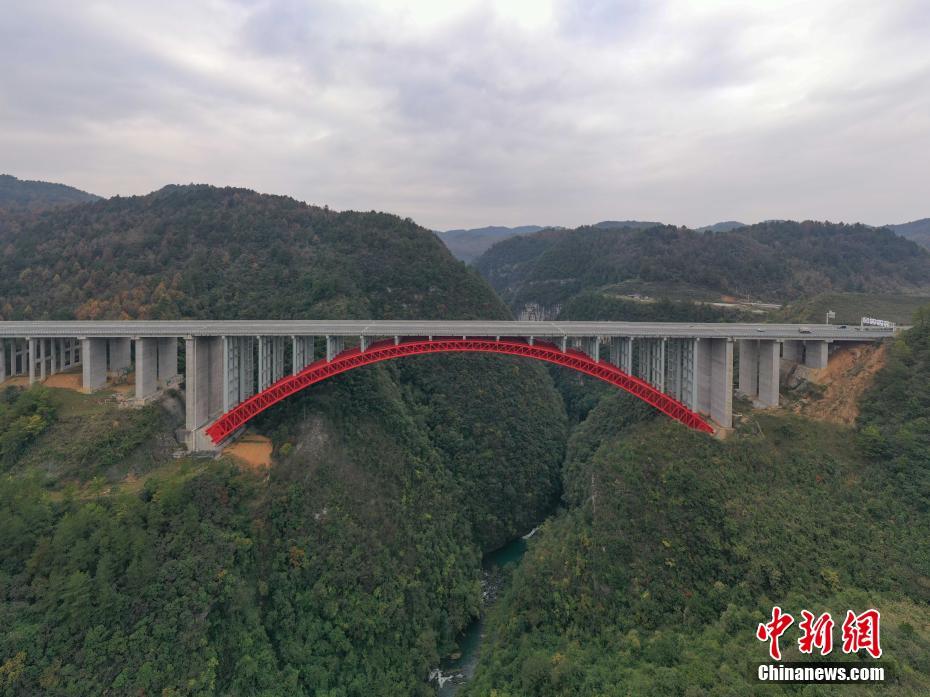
(462, 114)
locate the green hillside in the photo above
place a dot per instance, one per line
(917, 230)
(773, 261)
(673, 547)
(199, 251)
(850, 308)
(347, 568)
(25, 195)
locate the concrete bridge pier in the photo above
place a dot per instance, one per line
(643, 364)
(626, 355)
(146, 369)
(167, 367)
(270, 360)
(816, 354)
(64, 355)
(120, 359)
(3, 372)
(239, 368)
(203, 388)
(278, 358)
(302, 349)
(233, 359)
(94, 364)
(265, 362)
(769, 364)
(15, 358)
(657, 363)
(38, 355)
(613, 351)
(24, 357)
(621, 353)
(54, 353)
(680, 371)
(591, 345)
(748, 385)
(334, 346)
(673, 367)
(246, 367)
(792, 351)
(713, 361)
(31, 349)
(759, 370)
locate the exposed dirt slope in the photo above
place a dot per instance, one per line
(848, 374)
(252, 449)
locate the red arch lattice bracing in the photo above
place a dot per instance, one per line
(353, 358)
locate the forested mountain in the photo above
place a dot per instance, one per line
(673, 548)
(620, 224)
(467, 244)
(724, 226)
(917, 230)
(346, 570)
(769, 261)
(25, 195)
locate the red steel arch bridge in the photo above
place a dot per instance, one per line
(234, 370)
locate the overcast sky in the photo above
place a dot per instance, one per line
(462, 114)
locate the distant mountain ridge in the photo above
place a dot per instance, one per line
(773, 261)
(467, 244)
(917, 230)
(27, 195)
(620, 224)
(724, 226)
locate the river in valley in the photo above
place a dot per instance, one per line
(457, 670)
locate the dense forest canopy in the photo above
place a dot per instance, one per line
(24, 195)
(775, 261)
(673, 547)
(350, 567)
(200, 251)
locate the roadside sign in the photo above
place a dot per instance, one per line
(873, 322)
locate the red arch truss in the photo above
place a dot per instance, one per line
(353, 358)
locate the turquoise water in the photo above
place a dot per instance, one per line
(455, 673)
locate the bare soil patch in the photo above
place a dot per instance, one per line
(848, 374)
(251, 449)
(64, 381)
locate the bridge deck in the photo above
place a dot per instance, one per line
(479, 328)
